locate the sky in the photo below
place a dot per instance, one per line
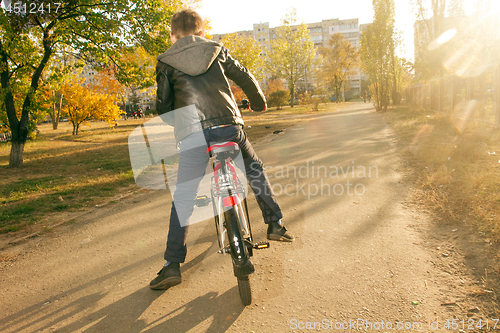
(237, 15)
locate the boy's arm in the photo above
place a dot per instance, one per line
(246, 81)
(164, 94)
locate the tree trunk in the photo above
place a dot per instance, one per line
(16, 154)
(56, 110)
(18, 127)
(343, 90)
(53, 117)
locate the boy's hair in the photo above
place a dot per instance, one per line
(186, 22)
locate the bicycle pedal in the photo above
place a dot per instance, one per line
(261, 245)
(202, 201)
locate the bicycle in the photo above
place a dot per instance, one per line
(232, 220)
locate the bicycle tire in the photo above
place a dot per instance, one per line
(245, 290)
(238, 248)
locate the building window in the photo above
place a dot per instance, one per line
(348, 26)
(312, 30)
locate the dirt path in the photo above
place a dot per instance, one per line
(363, 255)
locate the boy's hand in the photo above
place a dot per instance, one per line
(263, 110)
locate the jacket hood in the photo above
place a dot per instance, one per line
(192, 55)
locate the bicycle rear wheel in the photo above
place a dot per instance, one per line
(237, 244)
(245, 290)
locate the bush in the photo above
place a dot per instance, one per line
(279, 98)
(315, 101)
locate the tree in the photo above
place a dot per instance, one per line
(137, 68)
(106, 83)
(98, 30)
(292, 52)
(84, 105)
(247, 51)
(401, 77)
(134, 100)
(449, 42)
(434, 17)
(60, 70)
(378, 53)
(339, 61)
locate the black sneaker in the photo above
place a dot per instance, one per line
(168, 277)
(276, 231)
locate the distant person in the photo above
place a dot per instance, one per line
(196, 71)
(244, 104)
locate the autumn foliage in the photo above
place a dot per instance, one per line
(339, 60)
(277, 95)
(84, 105)
(237, 93)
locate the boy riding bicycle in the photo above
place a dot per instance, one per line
(195, 71)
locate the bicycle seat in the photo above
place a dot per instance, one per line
(222, 147)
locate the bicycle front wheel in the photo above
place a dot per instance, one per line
(245, 290)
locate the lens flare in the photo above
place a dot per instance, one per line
(447, 36)
(462, 113)
(444, 38)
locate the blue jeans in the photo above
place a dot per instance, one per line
(192, 165)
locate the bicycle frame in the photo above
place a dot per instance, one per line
(227, 191)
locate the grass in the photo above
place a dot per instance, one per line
(63, 173)
(457, 166)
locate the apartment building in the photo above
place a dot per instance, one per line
(88, 73)
(320, 32)
(145, 98)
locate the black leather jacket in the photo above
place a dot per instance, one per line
(195, 71)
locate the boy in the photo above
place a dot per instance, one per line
(195, 71)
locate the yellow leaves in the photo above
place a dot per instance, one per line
(339, 60)
(207, 26)
(84, 105)
(292, 52)
(138, 67)
(246, 50)
(274, 85)
(106, 83)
